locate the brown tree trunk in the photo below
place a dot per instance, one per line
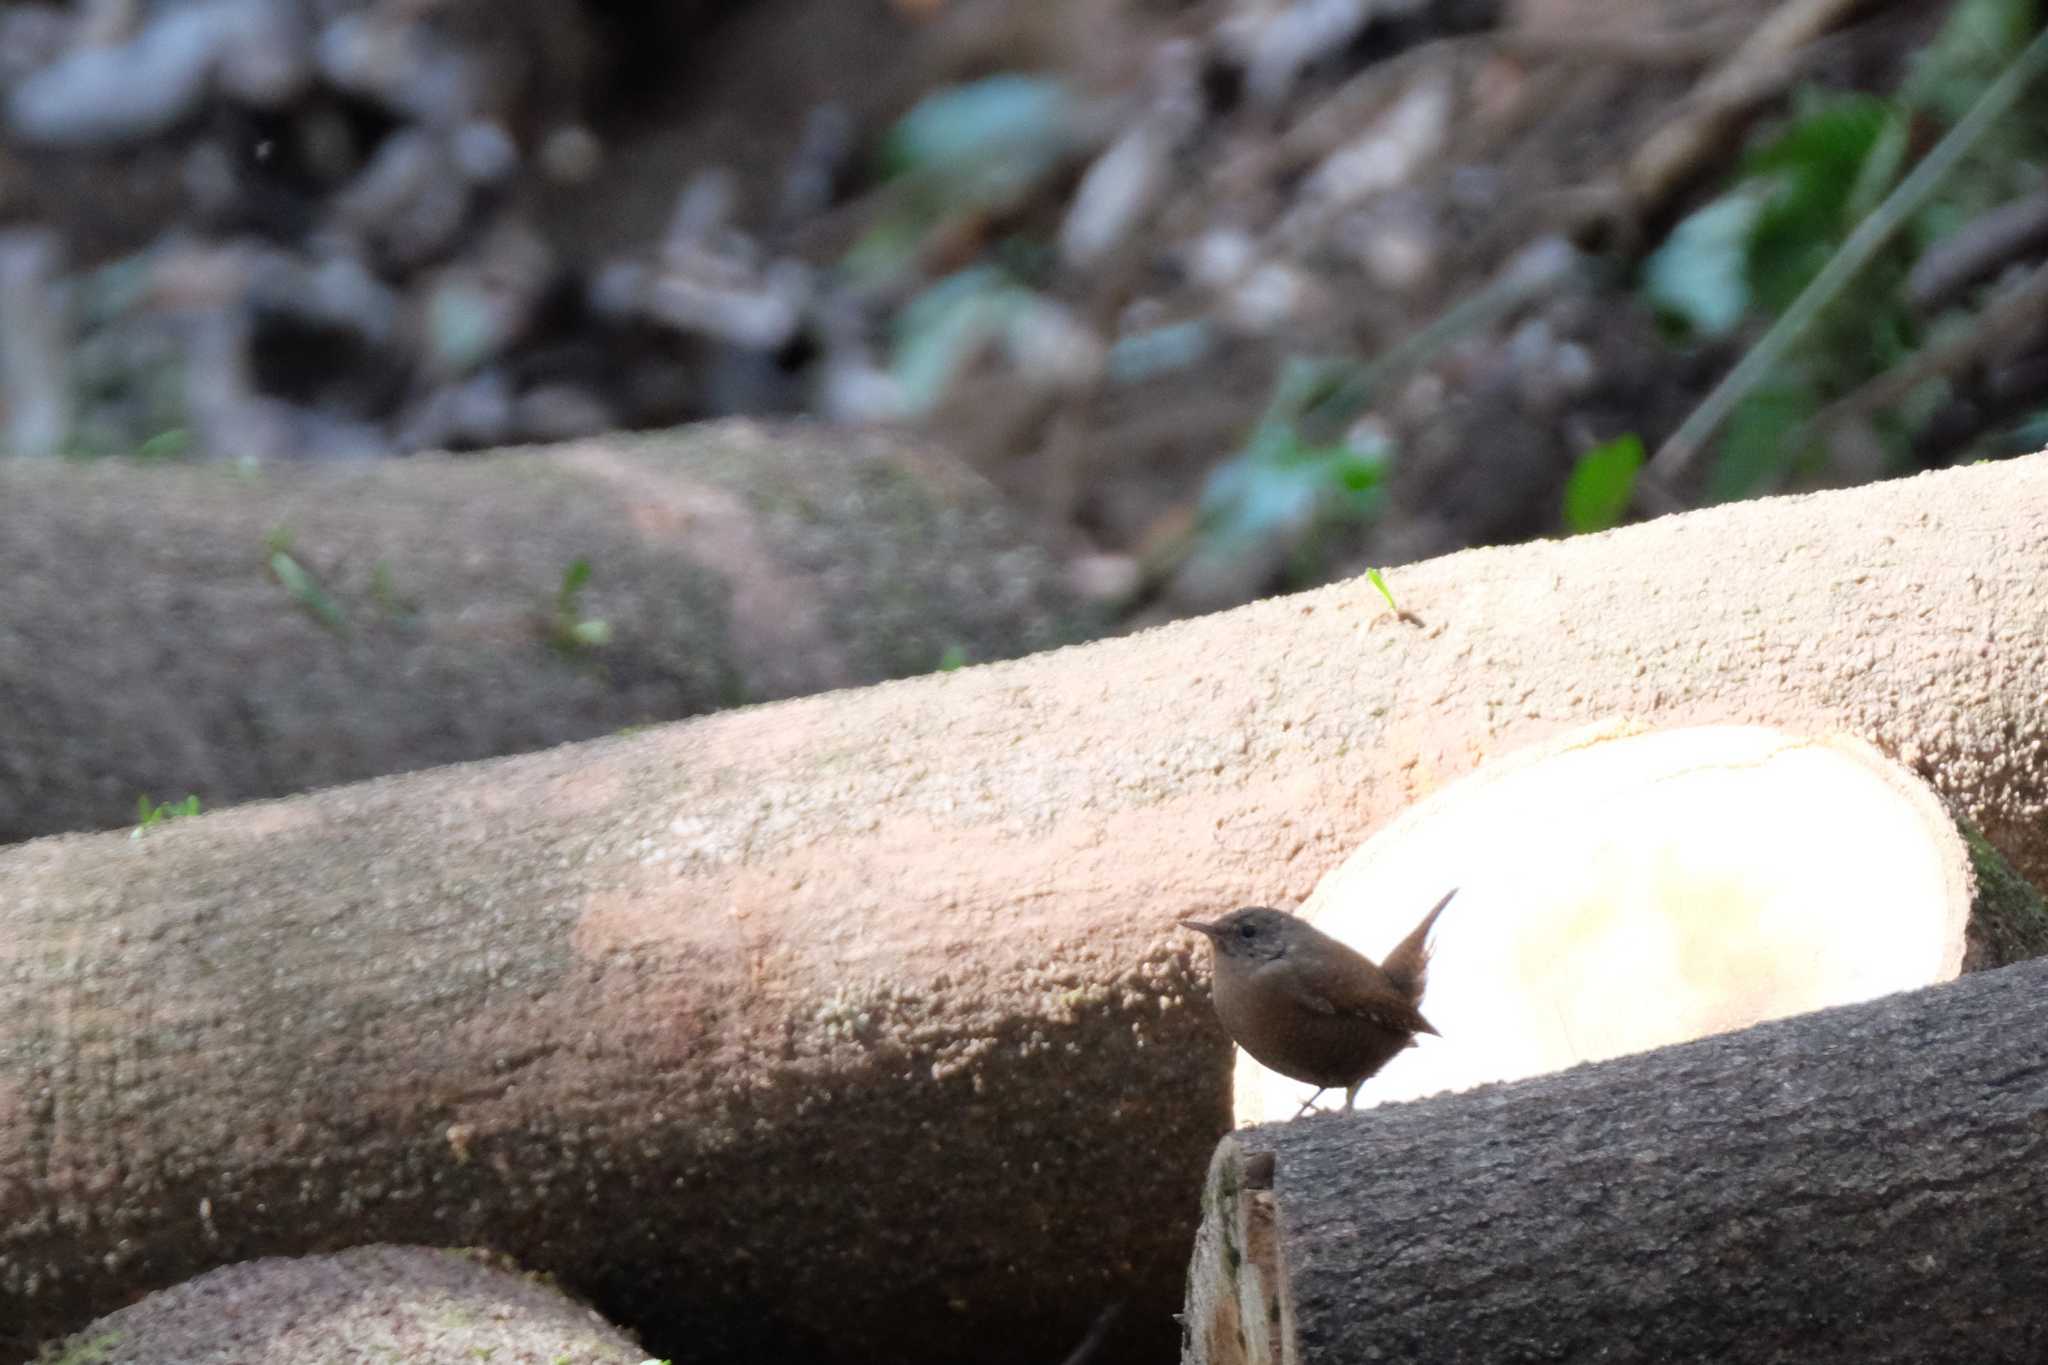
(858, 1026)
(1861, 1184)
(151, 644)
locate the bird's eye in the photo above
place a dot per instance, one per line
(1246, 931)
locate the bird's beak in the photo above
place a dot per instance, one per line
(1200, 927)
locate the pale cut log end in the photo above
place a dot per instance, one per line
(1235, 1312)
(1622, 889)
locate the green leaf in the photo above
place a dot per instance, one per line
(396, 607)
(1597, 495)
(1816, 173)
(1756, 450)
(945, 327)
(168, 444)
(1700, 275)
(994, 131)
(147, 814)
(1287, 482)
(1979, 39)
(306, 590)
(1379, 580)
(572, 633)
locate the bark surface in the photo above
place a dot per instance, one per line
(1860, 1184)
(150, 645)
(858, 1027)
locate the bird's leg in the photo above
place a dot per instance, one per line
(1310, 1102)
(1351, 1094)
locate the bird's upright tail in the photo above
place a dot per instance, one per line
(1407, 967)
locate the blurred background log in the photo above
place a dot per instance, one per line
(418, 1304)
(172, 630)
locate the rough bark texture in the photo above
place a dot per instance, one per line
(147, 645)
(858, 1027)
(414, 1305)
(1861, 1184)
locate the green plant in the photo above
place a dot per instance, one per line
(1315, 462)
(963, 152)
(171, 443)
(397, 608)
(1300, 473)
(98, 1349)
(1597, 494)
(1821, 202)
(571, 631)
(1802, 194)
(300, 583)
(1379, 580)
(147, 814)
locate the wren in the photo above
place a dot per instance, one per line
(1310, 1008)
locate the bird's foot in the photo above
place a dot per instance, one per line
(1310, 1103)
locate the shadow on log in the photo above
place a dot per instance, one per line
(1860, 1184)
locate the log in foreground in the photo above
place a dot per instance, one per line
(241, 634)
(415, 1305)
(1623, 889)
(859, 1027)
(1860, 1184)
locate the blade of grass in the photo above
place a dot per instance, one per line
(1684, 445)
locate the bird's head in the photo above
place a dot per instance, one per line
(1253, 934)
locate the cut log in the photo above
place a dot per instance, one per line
(1861, 1184)
(1622, 889)
(152, 642)
(417, 1305)
(859, 1027)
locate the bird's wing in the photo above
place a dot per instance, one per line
(1385, 1008)
(1372, 997)
(1288, 980)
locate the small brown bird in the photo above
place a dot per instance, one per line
(1311, 1008)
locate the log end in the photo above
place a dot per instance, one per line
(1235, 1313)
(1623, 888)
